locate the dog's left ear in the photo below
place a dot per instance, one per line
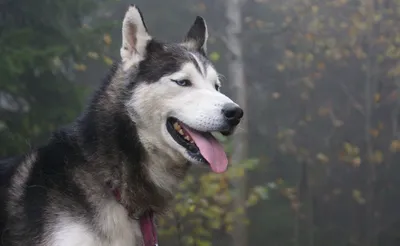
(134, 37)
(197, 36)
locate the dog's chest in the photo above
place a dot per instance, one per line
(113, 228)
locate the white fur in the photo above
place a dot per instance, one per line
(117, 229)
(69, 232)
(202, 68)
(19, 182)
(134, 38)
(157, 172)
(198, 106)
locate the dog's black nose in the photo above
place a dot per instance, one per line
(232, 113)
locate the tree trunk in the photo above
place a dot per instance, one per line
(236, 78)
(368, 239)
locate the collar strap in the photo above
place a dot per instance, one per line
(147, 225)
(148, 229)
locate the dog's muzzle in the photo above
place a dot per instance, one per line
(232, 113)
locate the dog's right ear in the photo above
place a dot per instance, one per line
(197, 36)
(134, 38)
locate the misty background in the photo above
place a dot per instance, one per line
(315, 163)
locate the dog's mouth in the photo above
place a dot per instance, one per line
(201, 146)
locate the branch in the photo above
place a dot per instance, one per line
(178, 229)
(357, 105)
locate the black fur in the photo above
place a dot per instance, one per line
(102, 138)
(164, 59)
(100, 149)
(197, 35)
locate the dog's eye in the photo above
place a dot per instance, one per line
(182, 82)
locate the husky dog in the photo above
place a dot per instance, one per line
(100, 180)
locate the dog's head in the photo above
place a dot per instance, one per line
(174, 96)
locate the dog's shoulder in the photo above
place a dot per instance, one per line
(50, 166)
(7, 168)
(30, 183)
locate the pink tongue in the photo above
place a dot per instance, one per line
(210, 149)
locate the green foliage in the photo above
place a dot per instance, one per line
(337, 83)
(40, 45)
(204, 205)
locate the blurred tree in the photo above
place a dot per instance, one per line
(236, 76)
(337, 69)
(42, 46)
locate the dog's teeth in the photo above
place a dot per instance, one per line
(191, 141)
(177, 126)
(181, 132)
(187, 138)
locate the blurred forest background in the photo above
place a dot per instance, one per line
(316, 164)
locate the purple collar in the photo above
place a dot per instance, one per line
(148, 229)
(147, 225)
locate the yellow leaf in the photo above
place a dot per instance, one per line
(190, 240)
(309, 57)
(358, 197)
(374, 132)
(252, 200)
(395, 146)
(377, 17)
(322, 158)
(347, 147)
(309, 37)
(356, 162)
(323, 111)
(337, 123)
(314, 9)
(289, 53)
(377, 97)
(259, 23)
(351, 150)
(380, 125)
(241, 172)
(280, 67)
(321, 66)
(276, 95)
(377, 157)
(201, 7)
(107, 39)
(202, 243)
(214, 56)
(93, 55)
(107, 60)
(288, 19)
(80, 67)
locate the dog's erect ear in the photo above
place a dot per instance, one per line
(134, 37)
(197, 36)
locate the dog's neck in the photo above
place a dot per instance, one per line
(111, 144)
